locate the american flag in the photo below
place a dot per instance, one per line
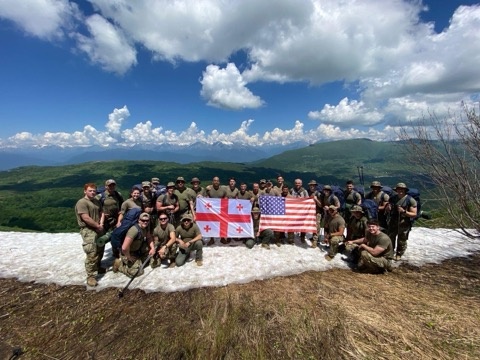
(224, 217)
(287, 214)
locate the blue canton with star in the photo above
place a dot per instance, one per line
(272, 205)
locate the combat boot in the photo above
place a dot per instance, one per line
(91, 281)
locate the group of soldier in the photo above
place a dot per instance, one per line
(166, 231)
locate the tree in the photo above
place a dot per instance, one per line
(448, 152)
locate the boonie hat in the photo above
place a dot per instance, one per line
(356, 208)
(255, 210)
(170, 184)
(186, 217)
(195, 179)
(109, 182)
(155, 180)
(180, 178)
(375, 184)
(312, 182)
(263, 181)
(146, 184)
(401, 186)
(144, 216)
(327, 187)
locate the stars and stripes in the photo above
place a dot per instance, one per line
(287, 214)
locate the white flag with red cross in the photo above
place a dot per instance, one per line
(226, 218)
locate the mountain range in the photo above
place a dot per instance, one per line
(220, 152)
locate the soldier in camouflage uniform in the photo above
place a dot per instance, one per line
(186, 198)
(111, 201)
(356, 228)
(90, 219)
(136, 247)
(402, 209)
(165, 241)
(243, 193)
(317, 197)
(336, 228)
(352, 198)
(264, 237)
(375, 249)
(328, 199)
(189, 238)
(382, 199)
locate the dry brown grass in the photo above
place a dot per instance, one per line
(413, 313)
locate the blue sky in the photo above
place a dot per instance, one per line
(101, 72)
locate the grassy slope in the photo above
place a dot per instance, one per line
(430, 312)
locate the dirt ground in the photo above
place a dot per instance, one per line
(429, 312)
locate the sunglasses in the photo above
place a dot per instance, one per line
(144, 221)
(186, 220)
(161, 219)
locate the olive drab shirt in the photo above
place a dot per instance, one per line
(405, 202)
(163, 234)
(139, 237)
(111, 203)
(187, 234)
(130, 204)
(336, 223)
(383, 241)
(219, 193)
(231, 193)
(184, 196)
(92, 208)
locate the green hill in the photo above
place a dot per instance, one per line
(43, 198)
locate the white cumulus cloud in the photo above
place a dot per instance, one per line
(46, 19)
(225, 88)
(107, 46)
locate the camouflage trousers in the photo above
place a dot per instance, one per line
(334, 244)
(130, 268)
(371, 264)
(184, 254)
(399, 236)
(94, 253)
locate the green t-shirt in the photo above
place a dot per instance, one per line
(383, 241)
(92, 208)
(163, 234)
(187, 234)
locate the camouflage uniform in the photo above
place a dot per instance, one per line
(94, 253)
(163, 236)
(264, 237)
(351, 198)
(400, 225)
(197, 246)
(139, 248)
(112, 203)
(380, 263)
(334, 226)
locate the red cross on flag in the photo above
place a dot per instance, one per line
(224, 218)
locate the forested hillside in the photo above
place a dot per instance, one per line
(43, 198)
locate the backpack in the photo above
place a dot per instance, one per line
(415, 193)
(370, 209)
(118, 235)
(412, 193)
(338, 192)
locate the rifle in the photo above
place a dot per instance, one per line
(120, 293)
